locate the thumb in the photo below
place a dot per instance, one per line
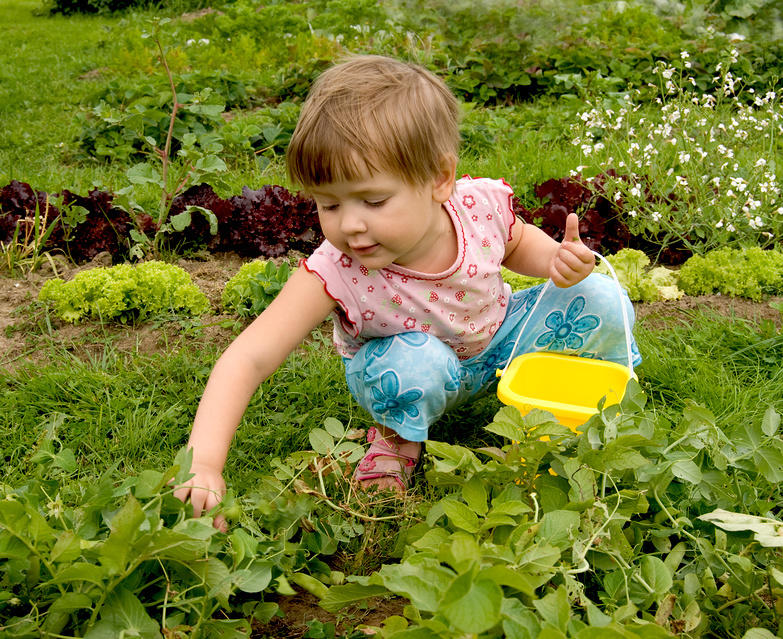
(572, 228)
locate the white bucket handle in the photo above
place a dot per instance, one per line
(626, 322)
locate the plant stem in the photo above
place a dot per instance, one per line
(164, 198)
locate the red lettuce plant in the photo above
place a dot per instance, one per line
(19, 204)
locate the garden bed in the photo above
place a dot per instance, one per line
(22, 333)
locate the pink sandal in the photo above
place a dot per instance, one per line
(382, 447)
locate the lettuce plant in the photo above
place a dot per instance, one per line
(254, 287)
(642, 283)
(747, 272)
(125, 293)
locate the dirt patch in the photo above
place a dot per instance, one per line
(25, 328)
(302, 609)
(662, 314)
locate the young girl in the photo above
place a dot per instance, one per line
(410, 270)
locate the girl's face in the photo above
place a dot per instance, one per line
(380, 220)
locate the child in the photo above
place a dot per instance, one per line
(410, 269)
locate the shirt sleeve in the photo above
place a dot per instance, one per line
(326, 263)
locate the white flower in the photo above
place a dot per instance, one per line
(760, 162)
(632, 213)
(656, 216)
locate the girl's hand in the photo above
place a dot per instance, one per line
(573, 261)
(205, 490)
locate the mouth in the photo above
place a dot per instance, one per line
(363, 250)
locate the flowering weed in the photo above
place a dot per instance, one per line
(692, 169)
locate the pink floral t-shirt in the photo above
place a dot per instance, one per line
(462, 306)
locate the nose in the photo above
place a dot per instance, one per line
(351, 220)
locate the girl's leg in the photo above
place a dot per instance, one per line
(405, 382)
(585, 319)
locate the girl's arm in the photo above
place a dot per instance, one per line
(253, 356)
(532, 252)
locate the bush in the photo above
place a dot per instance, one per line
(125, 293)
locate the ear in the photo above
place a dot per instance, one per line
(443, 182)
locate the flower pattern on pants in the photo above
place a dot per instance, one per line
(389, 399)
(567, 331)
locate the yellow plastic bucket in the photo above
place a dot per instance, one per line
(568, 386)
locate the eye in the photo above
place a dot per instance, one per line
(329, 207)
(375, 203)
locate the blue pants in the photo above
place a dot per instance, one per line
(409, 380)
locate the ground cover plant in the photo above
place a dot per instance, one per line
(161, 134)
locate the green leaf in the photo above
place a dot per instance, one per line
(181, 221)
(310, 584)
(472, 606)
(656, 575)
(216, 577)
(254, 578)
(60, 611)
(504, 576)
(334, 427)
(123, 616)
(124, 527)
(67, 548)
(420, 579)
(687, 470)
(144, 173)
(321, 441)
(557, 527)
(554, 608)
(474, 492)
(758, 633)
(460, 515)
(211, 164)
(771, 422)
(340, 596)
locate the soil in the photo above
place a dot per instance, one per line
(25, 328)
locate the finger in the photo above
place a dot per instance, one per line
(182, 492)
(572, 228)
(220, 523)
(578, 251)
(568, 261)
(198, 499)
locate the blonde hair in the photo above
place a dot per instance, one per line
(369, 114)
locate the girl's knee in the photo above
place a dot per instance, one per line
(405, 382)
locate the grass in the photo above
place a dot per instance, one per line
(134, 410)
(52, 66)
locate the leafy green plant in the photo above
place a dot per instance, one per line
(125, 293)
(119, 556)
(746, 272)
(520, 282)
(128, 117)
(642, 283)
(254, 287)
(197, 161)
(557, 535)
